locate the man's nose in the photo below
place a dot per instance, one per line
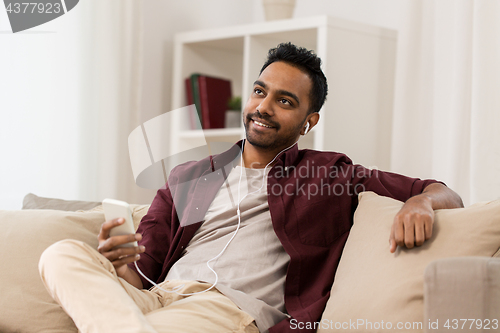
(265, 106)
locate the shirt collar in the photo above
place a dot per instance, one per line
(286, 158)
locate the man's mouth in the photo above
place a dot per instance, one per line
(262, 124)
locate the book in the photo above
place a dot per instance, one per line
(214, 94)
(196, 96)
(189, 91)
(190, 101)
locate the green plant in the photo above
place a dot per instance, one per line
(234, 103)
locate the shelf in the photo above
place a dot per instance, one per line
(278, 26)
(211, 133)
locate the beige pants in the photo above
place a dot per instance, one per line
(85, 284)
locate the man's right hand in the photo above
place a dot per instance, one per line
(120, 256)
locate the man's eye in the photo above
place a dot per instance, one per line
(285, 101)
(258, 91)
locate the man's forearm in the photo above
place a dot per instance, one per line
(442, 197)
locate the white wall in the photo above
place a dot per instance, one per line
(39, 132)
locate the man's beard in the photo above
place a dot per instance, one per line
(279, 142)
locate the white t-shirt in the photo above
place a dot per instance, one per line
(252, 269)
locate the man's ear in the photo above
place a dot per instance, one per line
(312, 120)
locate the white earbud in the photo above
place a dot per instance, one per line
(307, 129)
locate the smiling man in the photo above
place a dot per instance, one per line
(245, 241)
(278, 109)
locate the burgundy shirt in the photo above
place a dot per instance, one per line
(312, 197)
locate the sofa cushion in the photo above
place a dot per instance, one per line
(32, 201)
(375, 288)
(26, 305)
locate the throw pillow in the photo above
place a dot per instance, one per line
(25, 303)
(32, 201)
(375, 290)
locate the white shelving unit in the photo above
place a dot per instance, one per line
(358, 60)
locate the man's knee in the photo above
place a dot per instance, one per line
(58, 255)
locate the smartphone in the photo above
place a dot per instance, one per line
(115, 209)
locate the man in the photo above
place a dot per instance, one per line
(238, 241)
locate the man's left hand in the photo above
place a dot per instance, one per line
(413, 223)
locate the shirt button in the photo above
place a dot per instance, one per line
(196, 207)
(205, 179)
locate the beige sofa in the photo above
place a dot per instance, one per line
(433, 288)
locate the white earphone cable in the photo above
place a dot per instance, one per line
(238, 213)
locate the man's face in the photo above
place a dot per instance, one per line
(276, 111)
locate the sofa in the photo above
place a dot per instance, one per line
(451, 283)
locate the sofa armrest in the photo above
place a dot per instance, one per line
(462, 288)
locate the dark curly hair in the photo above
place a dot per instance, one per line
(307, 61)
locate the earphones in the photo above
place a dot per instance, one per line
(307, 128)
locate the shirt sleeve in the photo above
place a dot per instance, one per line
(157, 232)
(387, 184)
